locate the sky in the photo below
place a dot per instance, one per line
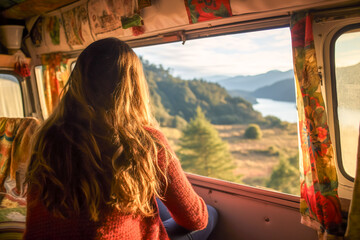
(347, 49)
(230, 55)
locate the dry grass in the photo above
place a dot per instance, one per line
(253, 158)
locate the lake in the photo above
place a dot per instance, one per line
(286, 111)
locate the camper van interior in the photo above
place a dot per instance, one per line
(259, 99)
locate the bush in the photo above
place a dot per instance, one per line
(253, 132)
(273, 151)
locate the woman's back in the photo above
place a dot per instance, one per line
(98, 163)
(189, 211)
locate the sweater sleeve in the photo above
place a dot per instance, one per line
(186, 207)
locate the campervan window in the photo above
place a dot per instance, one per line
(41, 90)
(11, 100)
(227, 104)
(72, 65)
(346, 70)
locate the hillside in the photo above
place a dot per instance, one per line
(348, 78)
(248, 96)
(283, 90)
(251, 83)
(174, 100)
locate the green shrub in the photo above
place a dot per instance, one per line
(253, 132)
(274, 151)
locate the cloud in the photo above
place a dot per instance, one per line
(347, 49)
(237, 54)
(345, 59)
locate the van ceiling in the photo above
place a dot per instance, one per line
(23, 9)
(163, 20)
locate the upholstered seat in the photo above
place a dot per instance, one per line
(15, 143)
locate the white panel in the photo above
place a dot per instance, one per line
(11, 104)
(164, 14)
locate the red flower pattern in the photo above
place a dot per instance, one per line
(322, 134)
(332, 215)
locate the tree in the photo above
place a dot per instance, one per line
(285, 176)
(203, 152)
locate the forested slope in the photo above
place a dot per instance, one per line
(175, 100)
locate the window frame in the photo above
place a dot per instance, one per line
(325, 25)
(283, 22)
(211, 31)
(333, 40)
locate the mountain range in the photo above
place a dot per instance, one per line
(275, 85)
(174, 100)
(253, 82)
(283, 90)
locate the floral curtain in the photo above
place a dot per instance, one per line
(319, 203)
(15, 142)
(56, 72)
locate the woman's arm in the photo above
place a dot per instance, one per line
(186, 207)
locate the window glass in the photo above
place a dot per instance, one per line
(11, 102)
(72, 65)
(41, 90)
(347, 73)
(227, 105)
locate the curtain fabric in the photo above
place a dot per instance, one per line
(15, 142)
(55, 75)
(201, 11)
(319, 203)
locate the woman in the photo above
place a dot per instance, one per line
(98, 162)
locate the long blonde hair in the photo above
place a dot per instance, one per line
(93, 150)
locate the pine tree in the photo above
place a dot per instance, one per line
(285, 176)
(203, 152)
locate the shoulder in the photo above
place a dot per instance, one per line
(160, 138)
(157, 133)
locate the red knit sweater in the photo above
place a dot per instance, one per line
(186, 207)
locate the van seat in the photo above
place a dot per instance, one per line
(15, 143)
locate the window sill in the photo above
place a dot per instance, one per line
(259, 194)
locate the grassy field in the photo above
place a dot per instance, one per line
(255, 159)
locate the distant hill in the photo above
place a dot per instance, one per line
(174, 100)
(215, 78)
(283, 90)
(248, 96)
(348, 79)
(251, 83)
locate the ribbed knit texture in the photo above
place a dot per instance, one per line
(186, 207)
